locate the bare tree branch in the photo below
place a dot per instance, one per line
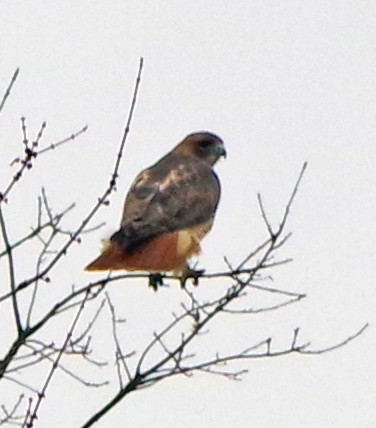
(170, 351)
(29, 423)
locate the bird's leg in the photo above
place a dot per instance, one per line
(155, 280)
(188, 272)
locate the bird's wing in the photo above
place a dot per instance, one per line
(176, 193)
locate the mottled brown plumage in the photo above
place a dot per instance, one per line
(168, 210)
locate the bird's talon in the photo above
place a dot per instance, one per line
(155, 280)
(191, 273)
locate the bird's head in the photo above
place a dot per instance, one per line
(204, 145)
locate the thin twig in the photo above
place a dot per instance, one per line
(115, 174)
(9, 88)
(54, 146)
(119, 355)
(263, 214)
(12, 278)
(338, 345)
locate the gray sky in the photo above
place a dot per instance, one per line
(282, 82)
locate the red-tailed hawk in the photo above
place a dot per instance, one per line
(169, 208)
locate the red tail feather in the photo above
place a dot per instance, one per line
(157, 255)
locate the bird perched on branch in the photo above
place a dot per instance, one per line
(169, 208)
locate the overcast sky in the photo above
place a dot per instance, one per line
(282, 82)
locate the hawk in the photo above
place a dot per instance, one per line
(169, 208)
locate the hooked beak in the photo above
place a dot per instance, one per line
(221, 151)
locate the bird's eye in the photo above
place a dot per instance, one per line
(205, 143)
